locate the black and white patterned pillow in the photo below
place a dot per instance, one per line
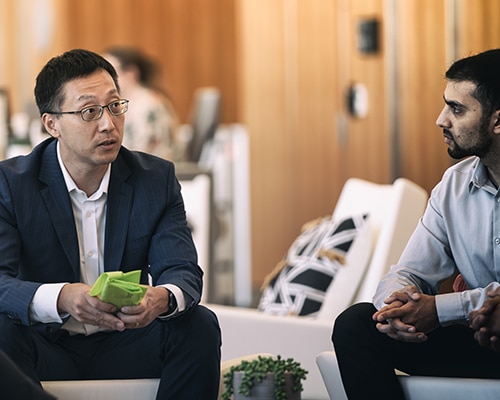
(299, 283)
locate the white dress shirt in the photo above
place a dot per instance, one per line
(90, 220)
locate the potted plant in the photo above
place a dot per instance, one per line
(265, 378)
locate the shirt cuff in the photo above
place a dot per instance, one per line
(450, 309)
(179, 298)
(43, 307)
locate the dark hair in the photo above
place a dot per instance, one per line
(133, 57)
(59, 70)
(483, 69)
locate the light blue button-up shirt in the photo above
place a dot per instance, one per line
(460, 230)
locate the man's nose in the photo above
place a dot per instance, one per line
(442, 120)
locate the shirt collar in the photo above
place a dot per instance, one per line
(70, 183)
(479, 178)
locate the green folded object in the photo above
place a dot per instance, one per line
(119, 288)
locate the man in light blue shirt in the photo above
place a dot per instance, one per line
(411, 326)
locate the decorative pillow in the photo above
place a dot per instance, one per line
(298, 284)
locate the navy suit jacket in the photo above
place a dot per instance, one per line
(146, 227)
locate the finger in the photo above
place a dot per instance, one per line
(106, 321)
(472, 316)
(133, 321)
(417, 337)
(385, 328)
(96, 303)
(399, 325)
(391, 313)
(487, 308)
(411, 290)
(483, 336)
(133, 325)
(493, 293)
(99, 318)
(495, 343)
(377, 315)
(397, 296)
(396, 325)
(415, 296)
(132, 310)
(477, 321)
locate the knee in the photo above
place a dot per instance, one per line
(352, 321)
(206, 319)
(202, 323)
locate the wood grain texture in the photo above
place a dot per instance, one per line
(284, 68)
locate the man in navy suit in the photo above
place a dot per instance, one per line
(77, 206)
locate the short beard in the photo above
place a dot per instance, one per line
(480, 149)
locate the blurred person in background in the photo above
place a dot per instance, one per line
(151, 122)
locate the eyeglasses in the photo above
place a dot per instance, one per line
(92, 113)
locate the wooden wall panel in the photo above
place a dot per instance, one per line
(421, 64)
(193, 41)
(6, 42)
(367, 149)
(6, 68)
(19, 41)
(284, 67)
(289, 105)
(263, 112)
(291, 102)
(479, 23)
(317, 164)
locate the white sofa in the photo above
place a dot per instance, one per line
(394, 211)
(415, 387)
(126, 389)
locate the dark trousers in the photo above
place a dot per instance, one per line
(16, 385)
(367, 358)
(184, 352)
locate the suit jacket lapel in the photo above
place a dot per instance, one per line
(58, 204)
(119, 203)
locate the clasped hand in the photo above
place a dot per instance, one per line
(408, 316)
(486, 322)
(75, 300)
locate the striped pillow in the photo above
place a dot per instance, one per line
(298, 284)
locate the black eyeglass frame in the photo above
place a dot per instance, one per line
(99, 107)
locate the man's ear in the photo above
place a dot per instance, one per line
(49, 121)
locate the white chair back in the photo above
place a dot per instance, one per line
(197, 195)
(393, 212)
(403, 210)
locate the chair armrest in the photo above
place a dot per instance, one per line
(415, 387)
(123, 389)
(329, 368)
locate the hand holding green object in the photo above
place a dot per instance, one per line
(119, 288)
